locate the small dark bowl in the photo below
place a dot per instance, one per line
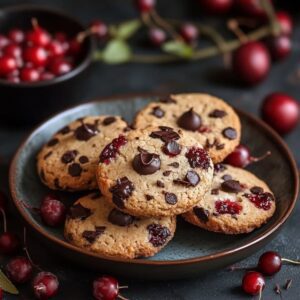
(28, 103)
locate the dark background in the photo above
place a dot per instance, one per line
(205, 76)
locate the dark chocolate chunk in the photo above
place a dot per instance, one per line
(48, 155)
(75, 170)
(64, 130)
(83, 159)
(214, 192)
(91, 235)
(149, 197)
(191, 179)
(190, 120)
(78, 211)
(201, 213)
(217, 113)
(174, 164)
(220, 146)
(230, 133)
(171, 148)
(256, 190)
(158, 112)
(167, 99)
(158, 234)
(120, 218)
(167, 173)
(160, 184)
(231, 186)
(86, 131)
(219, 168)
(170, 198)
(146, 163)
(69, 156)
(109, 120)
(121, 191)
(166, 134)
(52, 142)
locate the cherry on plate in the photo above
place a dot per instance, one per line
(29, 74)
(55, 48)
(7, 65)
(19, 269)
(36, 55)
(45, 285)
(38, 37)
(59, 67)
(16, 35)
(13, 50)
(253, 283)
(4, 41)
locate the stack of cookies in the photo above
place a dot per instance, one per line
(170, 164)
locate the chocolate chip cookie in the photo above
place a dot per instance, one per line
(69, 160)
(238, 202)
(94, 224)
(157, 171)
(212, 122)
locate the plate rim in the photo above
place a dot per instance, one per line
(142, 261)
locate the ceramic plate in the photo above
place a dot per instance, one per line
(192, 251)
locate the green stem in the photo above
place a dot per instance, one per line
(269, 9)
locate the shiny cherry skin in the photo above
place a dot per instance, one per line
(29, 74)
(47, 76)
(74, 47)
(16, 35)
(253, 283)
(53, 212)
(55, 48)
(36, 55)
(60, 67)
(250, 8)
(280, 47)
(189, 32)
(251, 62)
(45, 285)
(7, 65)
(269, 263)
(285, 21)
(38, 37)
(19, 269)
(9, 243)
(216, 7)
(145, 6)
(4, 41)
(240, 157)
(105, 288)
(281, 112)
(99, 29)
(13, 50)
(157, 36)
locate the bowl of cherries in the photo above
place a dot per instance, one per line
(44, 55)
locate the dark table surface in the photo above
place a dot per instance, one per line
(201, 76)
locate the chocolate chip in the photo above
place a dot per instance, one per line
(231, 186)
(86, 131)
(230, 133)
(158, 112)
(219, 168)
(158, 234)
(171, 198)
(160, 184)
(171, 148)
(256, 190)
(167, 173)
(146, 163)
(120, 218)
(174, 164)
(64, 130)
(217, 113)
(75, 170)
(78, 211)
(69, 156)
(52, 142)
(83, 159)
(48, 155)
(201, 213)
(166, 134)
(226, 177)
(121, 191)
(191, 179)
(149, 197)
(109, 120)
(167, 99)
(190, 120)
(214, 192)
(220, 146)
(91, 235)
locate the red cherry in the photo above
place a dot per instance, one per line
(99, 29)
(13, 79)
(105, 288)
(45, 285)
(38, 37)
(60, 67)
(7, 65)
(36, 55)
(189, 32)
(47, 76)
(19, 269)
(9, 243)
(251, 62)
(281, 112)
(52, 212)
(4, 41)
(250, 8)
(285, 22)
(60, 36)
(13, 50)
(157, 36)
(55, 48)
(29, 74)
(145, 6)
(16, 35)
(253, 283)
(280, 47)
(216, 7)
(74, 47)
(269, 263)
(240, 157)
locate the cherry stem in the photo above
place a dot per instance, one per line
(269, 9)
(259, 158)
(123, 287)
(260, 293)
(295, 262)
(34, 23)
(235, 268)
(122, 297)
(233, 25)
(4, 220)
(81, 36)
(146, 20)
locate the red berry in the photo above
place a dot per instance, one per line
(253, 283)
(45, 285)
(55, 48)
(7, 65)
(60, 36)
(9, 243)
(99, 29)
(16, 35)
(285, 22)
(240, 157)
(47, 76)
(52, 212)
(157, 36)
(269, 263)
(38, 37)
(105, 288)
(189, 32)
(13, 79)
(145, 6)
(74, 47)
(216, 7)
(250, 8)
(29, 74)
(13, 50)
(36, 55)
(4, 41)
(281, 112)
(251, 62)
(19, 269)
(60, 67)
(280, 46)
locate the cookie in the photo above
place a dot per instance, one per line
(69, 160)
(157, 171)
(211, 121)
(238, 202)
(93, 224)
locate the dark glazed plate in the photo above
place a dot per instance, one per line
(193, 251)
